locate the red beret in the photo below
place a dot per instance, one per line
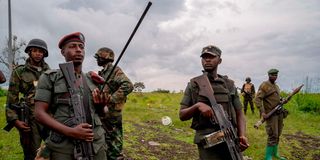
(73, 37)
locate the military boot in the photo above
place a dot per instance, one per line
(276, 153)
(269, 153)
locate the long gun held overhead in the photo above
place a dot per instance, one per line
(128, 42)
(278, 107)
(227, 130)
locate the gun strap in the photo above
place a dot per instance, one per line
(86, 100)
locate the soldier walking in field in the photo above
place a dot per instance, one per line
(118, 86)
(267, 98)
(248, 92)
(24, 79)
(55, 108)
(199, 108)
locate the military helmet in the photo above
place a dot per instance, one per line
(248, 79)
(39, 44)
(105, 53)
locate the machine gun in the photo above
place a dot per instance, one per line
(83, 150)
(23, 111)
(227, 132)
(277, 108)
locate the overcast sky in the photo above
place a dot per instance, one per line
(254, 36)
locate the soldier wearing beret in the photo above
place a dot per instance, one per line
(54, 108)
(198, 108)
(118, 87)
(23, 81)
(267, 98)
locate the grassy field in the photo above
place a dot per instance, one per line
(146, 137)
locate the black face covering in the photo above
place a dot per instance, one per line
(102, 61)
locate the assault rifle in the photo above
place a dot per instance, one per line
(83, 150)
(227, 132)
(23, 111)
(245, 92)
(277, 108)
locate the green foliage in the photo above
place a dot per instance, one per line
(3, 92)
(159, 90)
(309, 103)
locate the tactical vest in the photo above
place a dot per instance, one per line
(247, 87)
(224, 92)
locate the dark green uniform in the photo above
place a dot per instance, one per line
(267, 98)
(119, 86)
(226, 94)
(52, 89)
(23, 80)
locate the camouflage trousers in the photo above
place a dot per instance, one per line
(245, 105)
(30, 141)
(112, 123)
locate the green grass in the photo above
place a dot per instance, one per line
(146, 109)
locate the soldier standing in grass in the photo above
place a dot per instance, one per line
(267, 98)
(248, 93)
(23, 80)
(198, 108)
(118, 86)
(54, 107)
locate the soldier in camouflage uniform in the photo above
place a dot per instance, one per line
(23, 80)
(54, 107)
(198, 108)
(248, 93)
(2, 78)
(118, 86)
(267, 98)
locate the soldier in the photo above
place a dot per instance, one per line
(23, 80)
(2, 78)
(267, 98)
(198, 108)
(118, 86)
(248, 93)
(54, 106)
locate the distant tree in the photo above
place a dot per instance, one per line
(138, 86)
(159, 90)
(17, 49)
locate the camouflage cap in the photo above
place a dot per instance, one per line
(105, 53)
(211, 49)
(273, 71)
(73, 37)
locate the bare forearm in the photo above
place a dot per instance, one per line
(241, 123)
(187, 113)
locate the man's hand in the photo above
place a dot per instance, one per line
(264, 115)
(243, 143)
(22, 126)
(83, 131)
(205, 110)
(100, 98)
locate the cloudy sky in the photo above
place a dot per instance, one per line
(254, 36)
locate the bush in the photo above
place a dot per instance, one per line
(3, 92)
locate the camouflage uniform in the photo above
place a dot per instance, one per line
(119, 86)
(248, 93)
(267, 98)
(52, 89)
(226, 94)
(23, 80)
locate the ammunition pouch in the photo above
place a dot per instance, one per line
(57, 137)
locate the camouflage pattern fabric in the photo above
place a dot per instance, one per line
(268, 97)
(118, 86)
(23, 80)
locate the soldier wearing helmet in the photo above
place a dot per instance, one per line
(118, 86)
(248, 92)
(24, 80)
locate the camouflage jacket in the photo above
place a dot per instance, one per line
(23, 80)
(118, 85)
